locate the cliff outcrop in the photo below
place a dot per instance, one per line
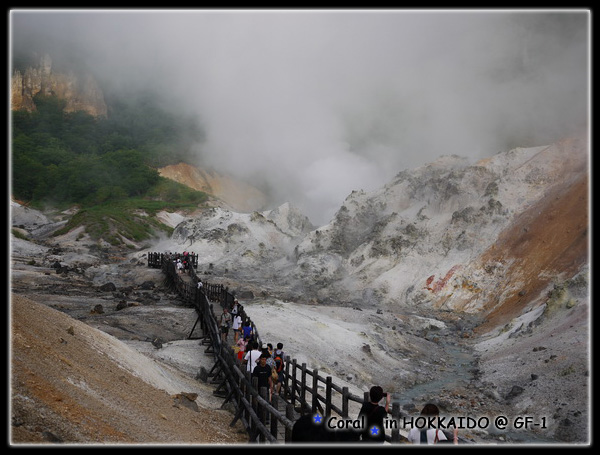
(79, 90)
(234, 193)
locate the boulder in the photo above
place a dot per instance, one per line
(108, 287)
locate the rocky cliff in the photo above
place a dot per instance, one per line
(476, 238)
(233, 193)
(80, 90)
(490, 238)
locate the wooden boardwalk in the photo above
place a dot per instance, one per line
(304, 391)
(281, 402)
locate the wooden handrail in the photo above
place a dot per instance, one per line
(252, 406)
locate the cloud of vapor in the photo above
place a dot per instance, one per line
(315, 104)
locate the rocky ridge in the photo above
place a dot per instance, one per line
(81, 92)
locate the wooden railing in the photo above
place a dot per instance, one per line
(156, 259)
(253, 406)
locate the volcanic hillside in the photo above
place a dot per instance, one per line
(490, 238)
(232, 193)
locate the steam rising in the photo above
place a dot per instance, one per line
(313, 104)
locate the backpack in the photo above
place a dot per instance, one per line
(278, 363)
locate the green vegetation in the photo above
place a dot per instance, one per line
(106, 166)
(18, 234)
(131, 219)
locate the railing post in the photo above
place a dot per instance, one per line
(289, 413)
(254, 401)
(275, 403)
(315, 398)
(345, 402)
(293, 382)
(303, 386)
(328, 390)
(396, 418)
(286, 376)
(262, 410)
(248, 396)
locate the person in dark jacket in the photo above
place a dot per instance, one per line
(262, 372)
(374, 415)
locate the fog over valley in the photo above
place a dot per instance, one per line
(399, 197)
(309, 105)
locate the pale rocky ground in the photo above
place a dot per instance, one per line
(529, 357)
(58, 377)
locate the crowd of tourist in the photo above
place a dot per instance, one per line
(267, 365)
(261, 360)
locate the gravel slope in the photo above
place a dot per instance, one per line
(74, 384)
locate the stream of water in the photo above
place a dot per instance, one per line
(459, 372)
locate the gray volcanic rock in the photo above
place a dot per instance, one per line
(463, 284)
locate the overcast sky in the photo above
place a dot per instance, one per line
(319, 103)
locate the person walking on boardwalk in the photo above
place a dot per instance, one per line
(241, 344)
(431, 435)
(247, 330)
(235, 308)
(251, 357)
(266, 351)
(279, 351)
(262, 372)
(374, 415)
(225, 323)
(237, 327)
(278, 357)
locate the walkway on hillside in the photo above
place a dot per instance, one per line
(305, 391)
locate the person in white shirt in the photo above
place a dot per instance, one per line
(235, 307)
(429, 435)
(237, 327)
(252, 357)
